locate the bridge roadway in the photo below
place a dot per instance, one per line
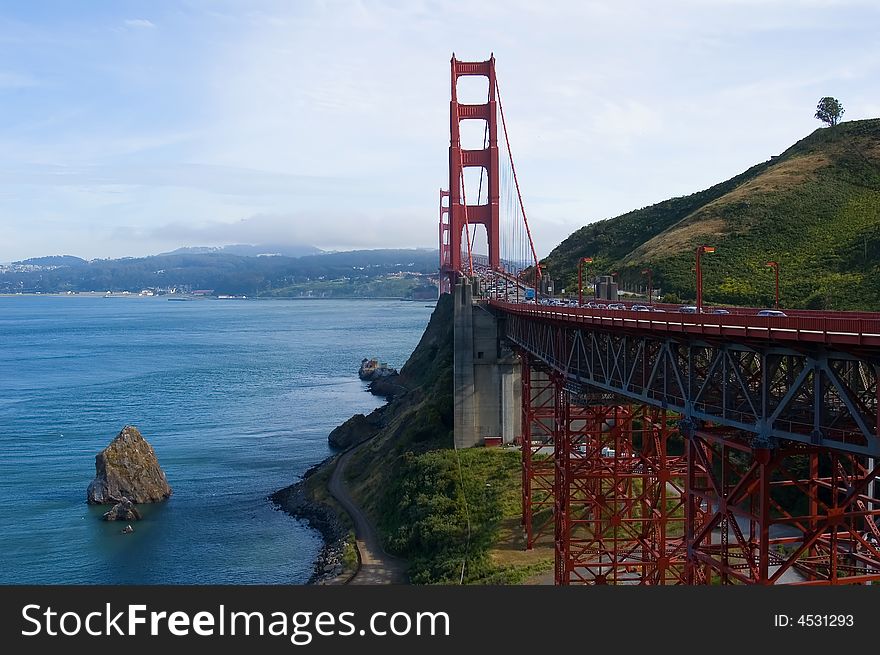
(810, 377)
(830, 328)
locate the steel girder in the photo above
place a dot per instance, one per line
(536, 445)
(620, 498)
(795, 514)
(817, 396)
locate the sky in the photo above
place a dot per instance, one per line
(131, 128)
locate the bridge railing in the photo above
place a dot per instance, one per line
(828, 329)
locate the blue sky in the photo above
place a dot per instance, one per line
(129, 128)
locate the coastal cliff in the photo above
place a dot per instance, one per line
(433, 506)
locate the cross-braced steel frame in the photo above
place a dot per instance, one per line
(814, 395)
(536, 445)
(774, 484)
(623, 522)
(793, 514)
(606, 471)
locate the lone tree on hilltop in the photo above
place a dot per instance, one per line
(829, 110)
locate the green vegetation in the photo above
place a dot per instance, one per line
(441, 519)
(350, 555)
(408, 479)
(815, 209)
(829, 110)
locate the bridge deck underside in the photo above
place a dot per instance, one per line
(814, 395)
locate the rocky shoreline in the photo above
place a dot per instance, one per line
(295, 500)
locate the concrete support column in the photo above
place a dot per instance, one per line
(465, 424)
(511, 398)
(487, 390)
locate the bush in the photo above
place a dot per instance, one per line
(426, 509)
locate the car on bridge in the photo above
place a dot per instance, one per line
(720, 311)
(773, 313)
(688, 309)
(640, 308)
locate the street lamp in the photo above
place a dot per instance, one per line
(648, 272)
(775, 267)
(583, 260)
(700, 251)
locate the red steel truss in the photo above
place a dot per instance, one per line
(536, 444)
(792, 514)
(620, 497)
(638, 496)
(602, 477)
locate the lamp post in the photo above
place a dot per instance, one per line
(583, 260)
(700, 251)
(775, 267)
(649, 273)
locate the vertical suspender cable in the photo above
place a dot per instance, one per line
(516, 182)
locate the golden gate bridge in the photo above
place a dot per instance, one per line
(661, 447)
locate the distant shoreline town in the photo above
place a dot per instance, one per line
(390, 273)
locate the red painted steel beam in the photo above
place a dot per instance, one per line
(811, 330)
(781, 520)
(462, 214)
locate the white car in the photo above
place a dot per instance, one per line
(774, 313)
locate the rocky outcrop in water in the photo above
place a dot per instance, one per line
(128, 469)
(124, 510)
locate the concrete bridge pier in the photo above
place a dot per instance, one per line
(486, 376)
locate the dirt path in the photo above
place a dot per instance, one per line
(377, 567)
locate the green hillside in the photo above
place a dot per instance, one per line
(815, 209)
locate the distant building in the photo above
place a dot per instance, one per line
(203, 292)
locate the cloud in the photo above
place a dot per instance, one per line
(139, 23)
(222, 180)
(327, 229)
(10, 80)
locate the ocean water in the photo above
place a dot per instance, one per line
(237, 399)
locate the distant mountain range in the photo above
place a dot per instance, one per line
(54, 260)
(356, 273)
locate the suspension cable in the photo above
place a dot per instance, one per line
(516, 182)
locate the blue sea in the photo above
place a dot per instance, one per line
(236, 397)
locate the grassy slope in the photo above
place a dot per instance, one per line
(815, 209)
(408, 479)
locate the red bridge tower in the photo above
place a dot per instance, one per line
(461, 214)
